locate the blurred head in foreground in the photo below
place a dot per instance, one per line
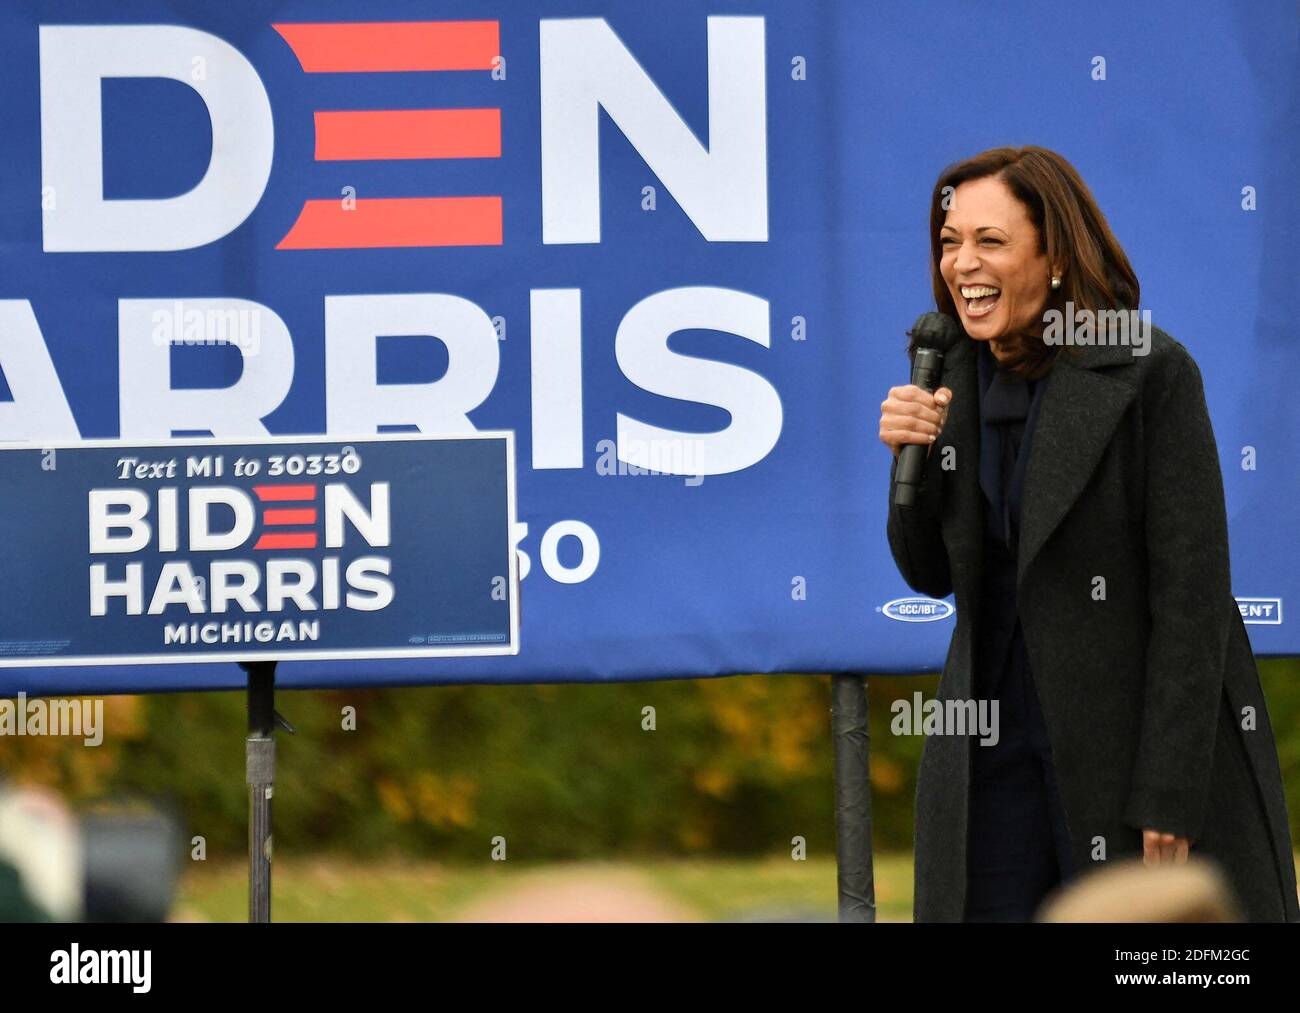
(579, 896)
(1195, 891)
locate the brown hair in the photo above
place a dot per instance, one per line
(1072, 232)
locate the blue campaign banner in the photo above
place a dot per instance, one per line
(674, 247)
(202, 550)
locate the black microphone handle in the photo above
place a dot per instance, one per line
(927, 365)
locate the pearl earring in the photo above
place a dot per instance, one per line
(1056, 282)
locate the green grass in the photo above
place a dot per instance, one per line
(325, 889)
(345, 890)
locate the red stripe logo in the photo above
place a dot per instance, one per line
(408, 133)
(303, 516)
(269, 493)
(396, 221)
(295, 540)
(272, 516)
(398, 134)
(376, 46)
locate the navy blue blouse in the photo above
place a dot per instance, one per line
(1009, 408)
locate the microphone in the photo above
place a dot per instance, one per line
(932, 335)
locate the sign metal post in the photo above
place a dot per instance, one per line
(855, 875)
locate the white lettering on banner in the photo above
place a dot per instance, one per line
(371, 524)
(721, 186)
(355, 400)
(114, 530)
(641, 346)
(585, 67)
(551, 555)
(39, 409)
(239, 633)
(151, 408)
(75, 60)
(202, 499)
(555, 323)
(103, 522)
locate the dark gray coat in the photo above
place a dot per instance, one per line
(1143, 692)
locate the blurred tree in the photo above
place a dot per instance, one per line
(736, 765)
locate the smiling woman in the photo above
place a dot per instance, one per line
(999, 229)
(993, 271)
(1073, 505)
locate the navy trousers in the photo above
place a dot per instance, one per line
(1018, 846)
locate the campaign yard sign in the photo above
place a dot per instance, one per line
(214, 550)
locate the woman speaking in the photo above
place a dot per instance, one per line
(1072, 502)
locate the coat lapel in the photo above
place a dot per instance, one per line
(1081, 408)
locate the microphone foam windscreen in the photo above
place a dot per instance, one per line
(935, 330)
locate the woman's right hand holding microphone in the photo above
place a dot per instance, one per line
(912, 415)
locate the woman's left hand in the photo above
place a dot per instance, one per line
(1163, 849)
